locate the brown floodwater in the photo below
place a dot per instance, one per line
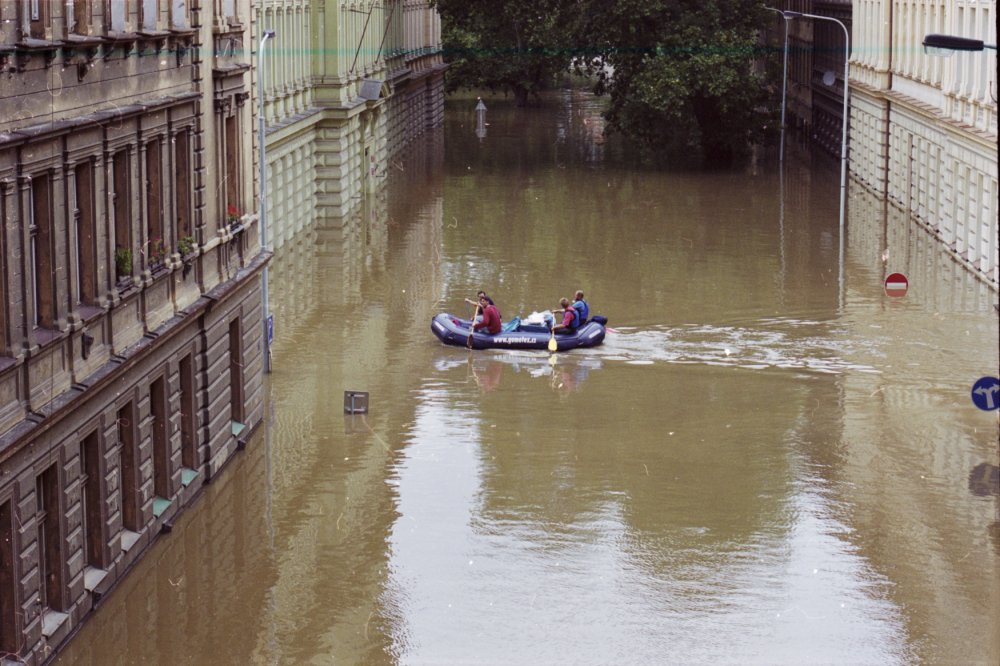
(768, 461)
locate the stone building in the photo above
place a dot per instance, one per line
(923, 127)
(347, 85)
(130, 290)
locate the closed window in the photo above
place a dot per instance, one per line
(121, 210)
(77, 13)
(86, 241)
(155, 240)
(182, 186)
(161, 453)
(35, 18)
(92, 513)
(50, 559)
(40, 226)
(9, 643)
(129, 486)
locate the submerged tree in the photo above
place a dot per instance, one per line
(515, 46)
(679, 74)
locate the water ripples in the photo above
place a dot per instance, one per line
(771, 343)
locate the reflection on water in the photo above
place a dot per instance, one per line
(760, 465)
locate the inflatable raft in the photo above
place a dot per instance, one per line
(452, 330)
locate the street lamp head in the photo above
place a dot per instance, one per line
(269, 34)
(789, 14)
(950, 43)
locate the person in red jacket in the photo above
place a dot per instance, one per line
(491, 316)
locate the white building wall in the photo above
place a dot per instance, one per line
(923, 127)
(326, 146)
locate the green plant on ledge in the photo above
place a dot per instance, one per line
(185, 245)
(123, 262)
(232, 214)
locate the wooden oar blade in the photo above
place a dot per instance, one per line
(553, 345)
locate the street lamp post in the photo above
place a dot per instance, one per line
(789, 15)
(784, 86)
(951, 43)
(843, 139)
(265, 315)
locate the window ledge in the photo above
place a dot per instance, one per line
(51, 621)
(92, 577)
(45, 336)
(187, 476)
(129, 539)
(160, 504)
(33, 44)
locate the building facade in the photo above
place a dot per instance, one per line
(347, 85)
(924, 127)
(130, 289)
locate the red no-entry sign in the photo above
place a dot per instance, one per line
(896, 285)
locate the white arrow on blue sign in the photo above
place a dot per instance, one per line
(986, 393)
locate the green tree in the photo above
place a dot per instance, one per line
(514, 46)
(681, 74)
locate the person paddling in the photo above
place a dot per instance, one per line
(571, 318)
(491, 316)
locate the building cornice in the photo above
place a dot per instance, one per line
(987, 140)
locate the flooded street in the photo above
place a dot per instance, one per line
(768, 460)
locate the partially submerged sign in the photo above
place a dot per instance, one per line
(355, 402)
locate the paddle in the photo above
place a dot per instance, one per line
(553, 345)
(472, 326)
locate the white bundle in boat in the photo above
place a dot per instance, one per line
(544, 318)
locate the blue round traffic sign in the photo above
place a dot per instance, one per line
(986, 393)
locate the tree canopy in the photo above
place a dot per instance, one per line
(679, 74)
(514, 46)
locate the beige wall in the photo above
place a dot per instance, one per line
(924, 128)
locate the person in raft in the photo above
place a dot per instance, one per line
(571, 318)
(581, 308)
(491, 316)
(481, 294)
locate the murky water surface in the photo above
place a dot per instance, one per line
(768, 461)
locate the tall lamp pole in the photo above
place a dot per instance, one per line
(266, 314)
(784, 86)
(843, 139)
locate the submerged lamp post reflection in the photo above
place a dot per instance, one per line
(843, 139)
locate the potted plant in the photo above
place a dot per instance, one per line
(123, 263)
(185, 245)
(156, 251)
(232, 215)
